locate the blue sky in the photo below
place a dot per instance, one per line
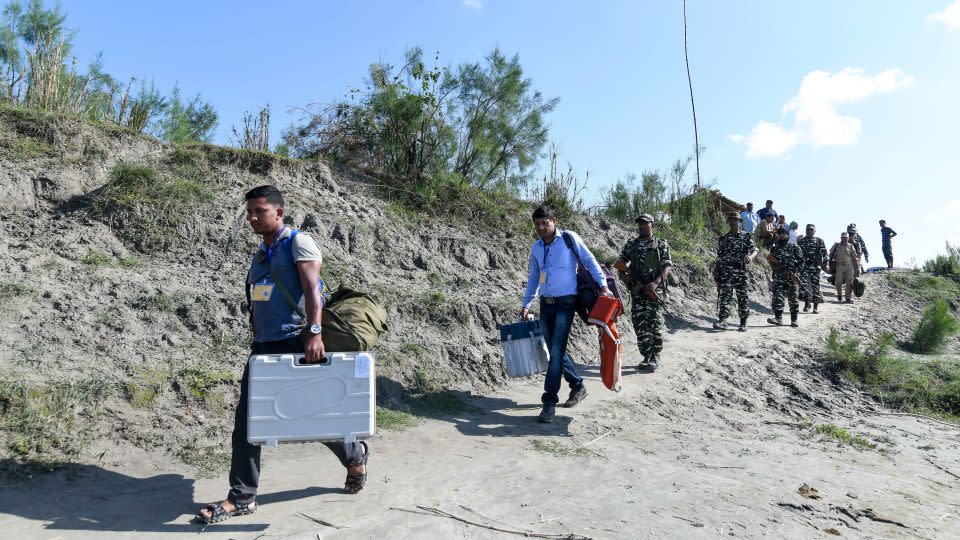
(838, 111)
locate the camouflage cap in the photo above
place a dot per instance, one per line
(811, 226)
(734, 215)
(645, 217)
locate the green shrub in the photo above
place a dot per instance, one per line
(936, 325)
(944, 265)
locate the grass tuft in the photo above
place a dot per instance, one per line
(210, 462)
(24, 148)
(394, 420)
(14, 289)
(838, 433)
(559, 449)
(148, 209)
(96, 259)
(42, 426)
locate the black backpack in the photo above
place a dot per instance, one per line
(587, 289)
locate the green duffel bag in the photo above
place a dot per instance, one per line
(352, 321)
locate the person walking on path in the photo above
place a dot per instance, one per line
(786, 259)
(814, 260)
(286, 260)
(645, 265)
(887, 234)
(844, 257)
(735, 250)
(750, 218)
(553, 275)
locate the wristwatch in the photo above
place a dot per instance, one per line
(315, 329)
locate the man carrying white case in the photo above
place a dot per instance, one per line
(287, 263)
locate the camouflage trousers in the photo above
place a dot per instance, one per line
(726, 297)
(648, 324)
(784, 287)
(811, 279)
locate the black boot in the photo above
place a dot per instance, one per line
(806, 306)
(793, 318)
(777, 319)
(743, 324)
(815, 304)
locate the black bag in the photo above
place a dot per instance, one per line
(587, 289)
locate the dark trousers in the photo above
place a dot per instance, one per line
(245, 459)
(888, 254)
(557, 319)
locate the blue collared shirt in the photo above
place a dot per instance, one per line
(750, 220)
(560, 266)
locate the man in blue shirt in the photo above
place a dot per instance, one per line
(553, 275)
(750, 218)
(886, 233)
(290, 262)
(767, 210)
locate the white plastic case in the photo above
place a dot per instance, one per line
(524, 348)
(291, 401)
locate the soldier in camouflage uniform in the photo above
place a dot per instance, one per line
(735, 250)
(861, 248)
(814, 260)
(644, 266)
(787, 261)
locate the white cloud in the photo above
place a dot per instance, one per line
(814, 109)
(949, 16)
(475, 4)
(734, 137)
(769, 140)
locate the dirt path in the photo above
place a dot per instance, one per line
(716, 443)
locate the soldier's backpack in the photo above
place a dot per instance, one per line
(587, 289)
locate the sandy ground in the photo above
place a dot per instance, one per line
(716, 443)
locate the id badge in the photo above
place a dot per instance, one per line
(261, 292)
(543, 277)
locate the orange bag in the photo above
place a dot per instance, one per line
(605, 311)
(610, 350)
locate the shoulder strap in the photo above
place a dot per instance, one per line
(568, 240)
(287, 245)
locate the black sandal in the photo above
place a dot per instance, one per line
(218, 513)
(355, 482)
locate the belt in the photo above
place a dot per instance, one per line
(555, 299)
